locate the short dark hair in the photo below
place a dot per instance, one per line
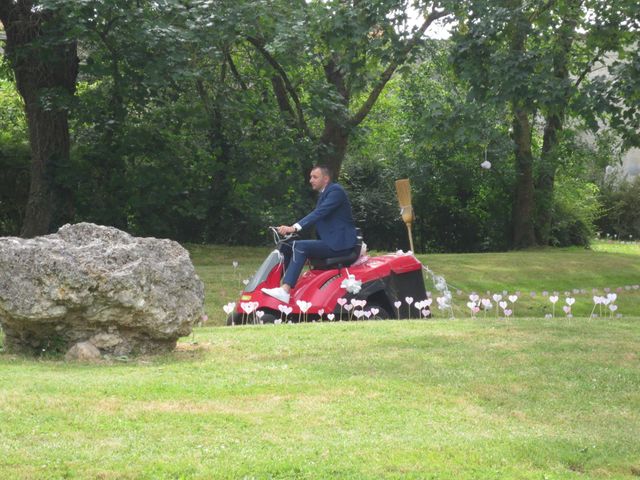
(324, 169)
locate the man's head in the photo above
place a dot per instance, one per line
(319, 177)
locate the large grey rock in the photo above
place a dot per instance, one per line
(123, 294)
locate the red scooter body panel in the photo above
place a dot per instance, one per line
(322, 287)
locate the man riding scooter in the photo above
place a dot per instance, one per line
(335, 230)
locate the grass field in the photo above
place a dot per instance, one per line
(518, 398)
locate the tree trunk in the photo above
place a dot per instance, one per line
(523, 208)
(546, 176)
(545, 180)
(333, 146)
(42, 64)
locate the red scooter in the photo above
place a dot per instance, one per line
(340, 288)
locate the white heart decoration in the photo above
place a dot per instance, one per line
(331, 316)
(358, 313)
(553, 298)
(348, 307)
(304, 306)
(503, 305)
(570, 301)
(513, 298)
(375, 311)
(471, 305)
(497, 297)
(612, 297)
(474, 298)
(342, 301)
(409, 300)
(597, 300)
(508, 312)
(426, 312)
(229, 307)
(566, 309)
(427, 302)
(613, 308)
(321, 312)
(287, 310)
(605, 301)
(486, 303)
(247, 307)
(397, 304)
(367, 314)
(259, 314)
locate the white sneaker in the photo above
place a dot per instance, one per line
(278, 293)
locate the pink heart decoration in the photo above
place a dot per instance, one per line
(566, 309)
(342, 301)
(397, 304)
(508, 312)
(375, 311)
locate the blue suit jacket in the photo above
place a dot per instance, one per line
(333, 218)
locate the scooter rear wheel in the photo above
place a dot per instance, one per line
(382, 312)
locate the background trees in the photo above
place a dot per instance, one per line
(199, 120)
(536, 57)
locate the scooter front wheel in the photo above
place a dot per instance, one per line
(234, 318)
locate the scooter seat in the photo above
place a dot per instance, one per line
(335, 262)
(339, 262)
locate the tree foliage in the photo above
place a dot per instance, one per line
(199, 119)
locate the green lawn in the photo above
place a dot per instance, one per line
(519, 398)
(463, 399)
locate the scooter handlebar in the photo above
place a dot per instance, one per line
(277, 238)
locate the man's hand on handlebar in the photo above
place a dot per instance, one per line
(285, 230)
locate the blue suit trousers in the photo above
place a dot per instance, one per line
(297, 253)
